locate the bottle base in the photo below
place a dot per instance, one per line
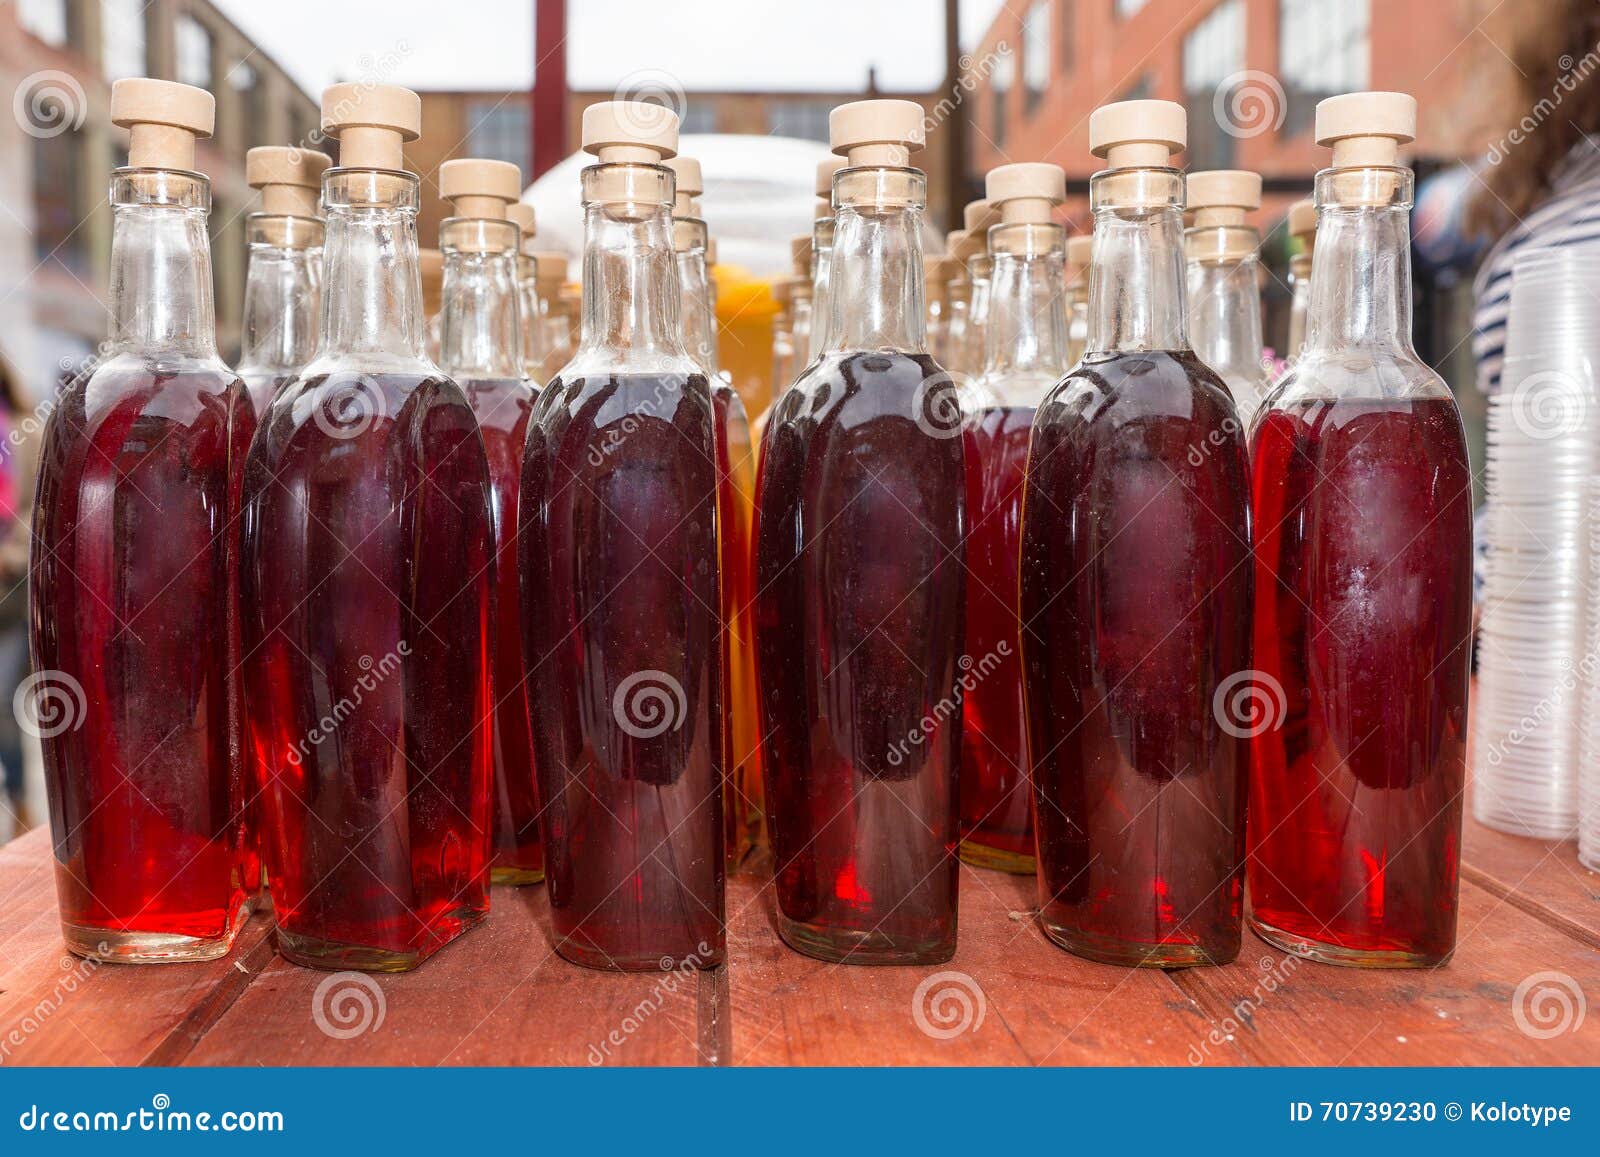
(997, 859)
(340, 956)
(123, 947)
(516, 877)
(1325, 953)
(587, 956)
(842, 947)
(1128, 954)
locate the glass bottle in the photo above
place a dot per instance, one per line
(531, 311)
(860, 588)
(821, 258)
(1224, 285)
(1363, 620)
(735, 510)
(801, 311)
(283, 274)
(977, 219)
(1135, 593)
(368, 559)
(958, 305)
(432, 266)
(133, 581)
(554, 338)
(1303, 231)
(1080, 252)
(565, 309)
(783, 352)
(935, 277)
(620, 586)
(1026, 356)
(481, 350)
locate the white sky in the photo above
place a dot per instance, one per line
(825, 45)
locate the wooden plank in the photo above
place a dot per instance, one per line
(56, 1009)
(1462, 1013)
(1542, 877)
(497, 996)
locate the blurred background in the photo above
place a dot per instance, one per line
(754, 81)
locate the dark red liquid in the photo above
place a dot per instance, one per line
(368, 560)
(996, 803)
(135, 602)
(1136, 609)
(623, 629)
(859, 618)
(502, 408)
(1363, 618)
(735, 518)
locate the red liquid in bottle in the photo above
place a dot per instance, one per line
(1135, 594)
(135, 640)
(368, 559)
(502, 408)
(623, 630)
(996, 803)
(1363, 619)
(859, 619)
(263, 388)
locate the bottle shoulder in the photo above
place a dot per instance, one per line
(1140, 386)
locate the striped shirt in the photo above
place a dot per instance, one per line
(1568, 215)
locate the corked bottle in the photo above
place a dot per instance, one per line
(861, 591)
(1224, 287)
(1026, 356)
(784, 369)
(481, 349)
(369, 550)
(531, 311)
(935, 278)
(133, 584)
(736, 483)
(621, 588)
(1303, 232)
(1135, 594)
(555, 322)
(821, 258)
(802, 314)
(1080, 255)
(1363, 616)
(977, 219)
(958, 305)
(283, 273)
(431, 264)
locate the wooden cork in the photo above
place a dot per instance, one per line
(1365, 131)
(626, 132)
(1025, 193)
(372, 123)
(826, 168)
(711, 251)
(800, 255)
(1137, 134)
(431, 263)
(479, 188)
(689, 185)
(550, 271)
(163, 120)
(520, 214)
(290, 179)
(1303, 221)
(979, 217)
(882, 133)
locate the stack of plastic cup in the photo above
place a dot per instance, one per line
(1536, 664)
(1589, 723)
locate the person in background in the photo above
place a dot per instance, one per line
(16, 498)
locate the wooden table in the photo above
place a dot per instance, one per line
(500, 995)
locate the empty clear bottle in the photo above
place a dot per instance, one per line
(531, 310)
(1303, 232)
(1080, 252)
(1224, 283)
(821, 258)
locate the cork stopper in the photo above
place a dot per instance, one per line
(980, 216)
(1137, 134)
(881, 133)
(372, 123)
(823, 210)
(621, 132)
(163, 120)
(1303, 221)
(964, 246)
(431, 263)
(290, 179)
(1024, 193)
(480, 188)
(826, 168)
(1080, 254)
(1366, 129)
(520, 214)
(690, 184)
(1222, 197)
(550, 270)
(800, 255)
(783, 291)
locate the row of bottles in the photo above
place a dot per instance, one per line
(400, 609)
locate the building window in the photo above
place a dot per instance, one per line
(1035, 53)
(701, 117)
(194, 51)
(45, 20)
(122, 38)
(1213, 56)
(1141, 89)
(246, 81)
(1127, 8)
(805, 119)
(1323, 49)
(499, 129)
(57, 175)
(1000, 78)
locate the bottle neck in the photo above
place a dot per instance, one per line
(161, 290)
(631, 302)
(694, 287)
(821, 282)
(480, 328)
(1361, 276)
(1225, 313)
(1027, 325)
(282, 293)
(372, 281)
(875, 278)
(1136, 292)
